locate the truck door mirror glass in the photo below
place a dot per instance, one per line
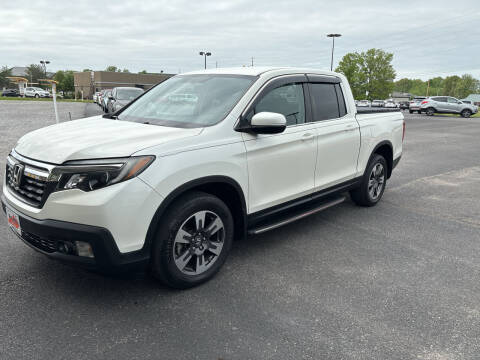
(268, 123)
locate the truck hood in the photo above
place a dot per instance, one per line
(94, 138)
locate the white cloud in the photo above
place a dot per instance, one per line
(426, 37)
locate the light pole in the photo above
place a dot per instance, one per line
(205, 54)
(333, 36)
(44, 64)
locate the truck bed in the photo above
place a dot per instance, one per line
(369, 110)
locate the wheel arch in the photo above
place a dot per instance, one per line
(224, 187)
(384, 148)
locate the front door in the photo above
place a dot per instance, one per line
(453, 105)
(281, 166)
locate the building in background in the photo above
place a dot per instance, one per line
(89, 82)
(401, 97)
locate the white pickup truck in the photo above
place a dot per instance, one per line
(172, 178)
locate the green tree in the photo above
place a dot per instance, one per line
(403, 85)
(112, 68)
(65, 80)
(370, 72)
(86, 70)
(4, 72)
(350, 67)
(451, 85)
(143, 72)
(466, 86)
(124, 70)
(34, 72)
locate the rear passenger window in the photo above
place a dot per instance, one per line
(341, 101)
(324, 101)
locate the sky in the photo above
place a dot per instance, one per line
(427, 38)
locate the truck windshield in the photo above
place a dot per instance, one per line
(128, 94)
(189, 100)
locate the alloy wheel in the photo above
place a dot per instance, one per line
(198, 242)
(376, 181)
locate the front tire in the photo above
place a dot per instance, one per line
(466, 113)
(192, 241)
(373, 183)
(37, 96)
(430, 112)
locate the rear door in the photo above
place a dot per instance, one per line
(441, 103)
(338, 132)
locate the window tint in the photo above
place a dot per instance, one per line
(452, 100)
(440, 98)
(341, 100)
(287, 100)
(324, 101)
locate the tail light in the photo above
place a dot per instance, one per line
(424, 102)
(403, 133)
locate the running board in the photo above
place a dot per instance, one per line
(295, 215)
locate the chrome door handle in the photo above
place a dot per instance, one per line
(307, 136)
(350, 128)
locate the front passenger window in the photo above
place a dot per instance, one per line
(287, 100)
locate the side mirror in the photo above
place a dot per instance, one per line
(268, 123)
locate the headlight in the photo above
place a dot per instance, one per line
(91, 175)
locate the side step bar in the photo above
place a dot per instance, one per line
(295, 215)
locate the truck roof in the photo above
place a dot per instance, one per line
(256, 71)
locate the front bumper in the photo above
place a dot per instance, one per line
(45, 236)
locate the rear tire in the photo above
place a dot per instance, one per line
(466, 113)
(410, 111)
(373, 183)
(420, 111)
(430, 112)
(192, 241)
(37, 96)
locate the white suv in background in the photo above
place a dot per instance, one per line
(169, 180)
(36, 92)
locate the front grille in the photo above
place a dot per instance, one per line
(46, 245)
(29, 187)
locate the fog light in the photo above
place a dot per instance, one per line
(66, 248)
(84, 249)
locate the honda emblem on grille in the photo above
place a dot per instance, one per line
(17, 174)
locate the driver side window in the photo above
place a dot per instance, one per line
(287, 100)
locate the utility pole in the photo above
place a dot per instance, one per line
(252, 61)
(428, 87)
(333, 36)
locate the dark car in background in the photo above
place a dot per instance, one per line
(404, 105)
(121, 96)
(11, 93)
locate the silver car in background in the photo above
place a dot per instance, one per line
(447, 105)
(364, 103)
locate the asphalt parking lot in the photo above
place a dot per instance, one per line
(397, 281)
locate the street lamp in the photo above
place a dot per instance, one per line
(44, 64)
(205, 54)
(333, 36)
